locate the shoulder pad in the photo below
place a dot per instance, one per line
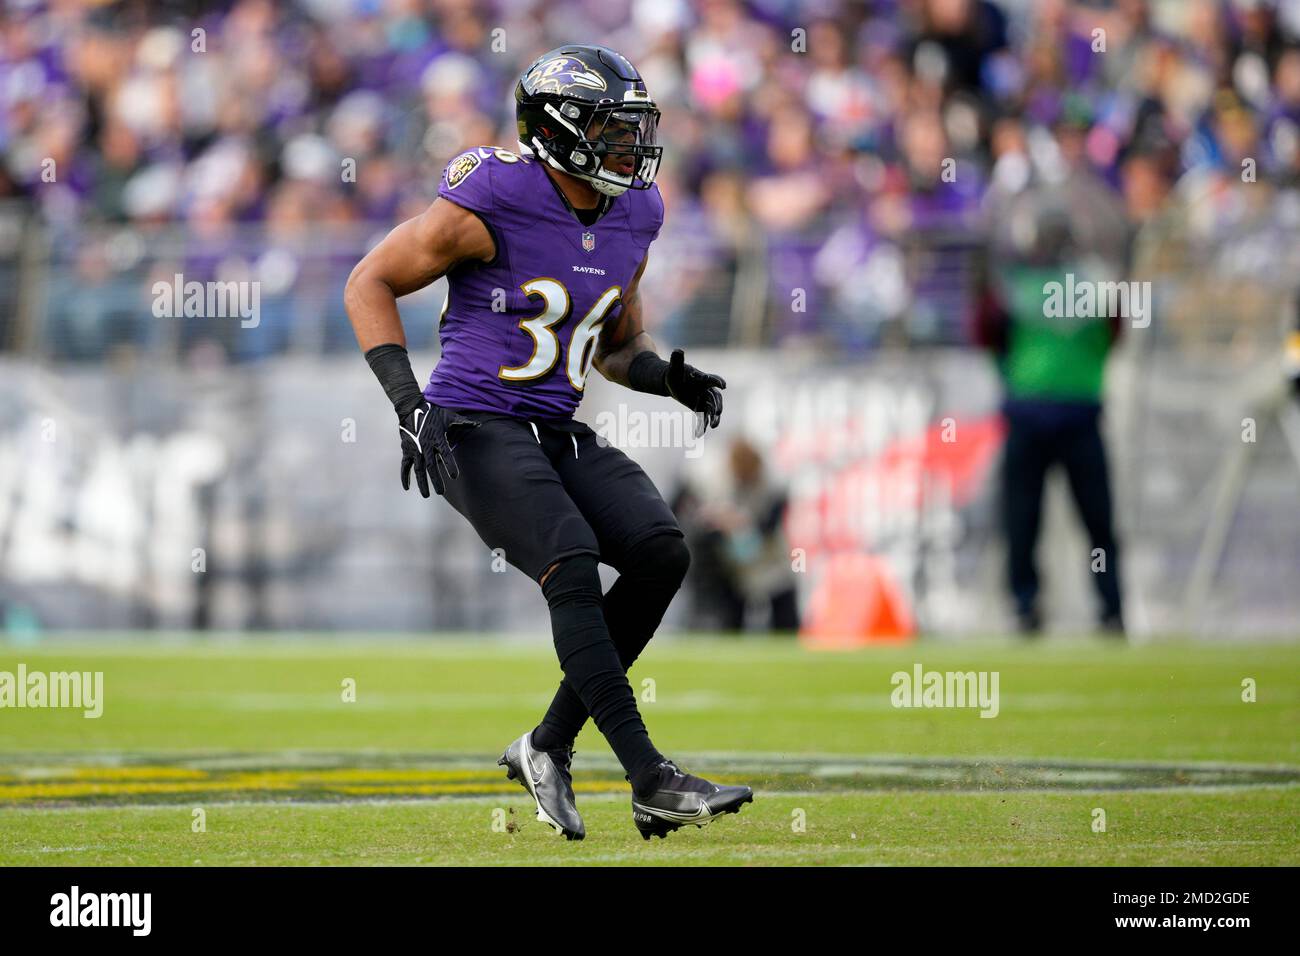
(480, 177)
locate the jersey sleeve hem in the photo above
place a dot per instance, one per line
(492, 233)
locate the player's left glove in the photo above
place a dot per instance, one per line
(698, 391)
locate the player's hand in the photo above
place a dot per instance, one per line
(698, 391)
(425, 434)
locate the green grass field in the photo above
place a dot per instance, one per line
(256, 734)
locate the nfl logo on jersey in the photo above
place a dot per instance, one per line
(588, 241)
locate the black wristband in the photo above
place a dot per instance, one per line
(648, 373)
(392, 367)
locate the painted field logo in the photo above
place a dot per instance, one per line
(1085, 299)
(102, 909)
(634, 429)
(208, 300)
(923, 688)
(76, 689)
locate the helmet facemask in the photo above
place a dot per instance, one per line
(616, 146)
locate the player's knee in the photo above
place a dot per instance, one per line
(663, 558)
(572, 580)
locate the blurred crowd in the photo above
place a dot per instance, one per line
(827, 162)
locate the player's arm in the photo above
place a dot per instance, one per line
(416, 253)
(624, 338)
(410, 257)
(626, 354)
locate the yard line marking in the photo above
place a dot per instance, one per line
(114, 779)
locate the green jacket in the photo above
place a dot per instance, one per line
(1046, 353)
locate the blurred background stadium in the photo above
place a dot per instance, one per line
(836, 176)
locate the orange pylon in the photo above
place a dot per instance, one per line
(857, 602)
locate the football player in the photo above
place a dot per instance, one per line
(544, 249)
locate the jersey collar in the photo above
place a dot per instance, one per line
(606, 203)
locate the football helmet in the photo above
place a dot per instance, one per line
(585, 111)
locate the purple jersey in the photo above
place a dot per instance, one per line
(519, 333)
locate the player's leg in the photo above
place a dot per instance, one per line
(650, 574)
(509, 491)
(591, 663)
(1024, 469)
(1083, 453)
(639, 537)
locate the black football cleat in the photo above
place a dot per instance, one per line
(545, 775)
(680, 799)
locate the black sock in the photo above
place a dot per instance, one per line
(649, 578)
(591, 662)
(645, 780)
(546, 739)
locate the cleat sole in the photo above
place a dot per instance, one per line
(660, 827)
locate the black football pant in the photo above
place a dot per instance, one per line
(556, 500)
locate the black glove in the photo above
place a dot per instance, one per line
(698, 391)
(425, 429)
(426, 441)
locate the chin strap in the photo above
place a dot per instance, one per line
(605, 187)
(602, 186)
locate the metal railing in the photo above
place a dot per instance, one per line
(1208, 430)
(87, 293)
